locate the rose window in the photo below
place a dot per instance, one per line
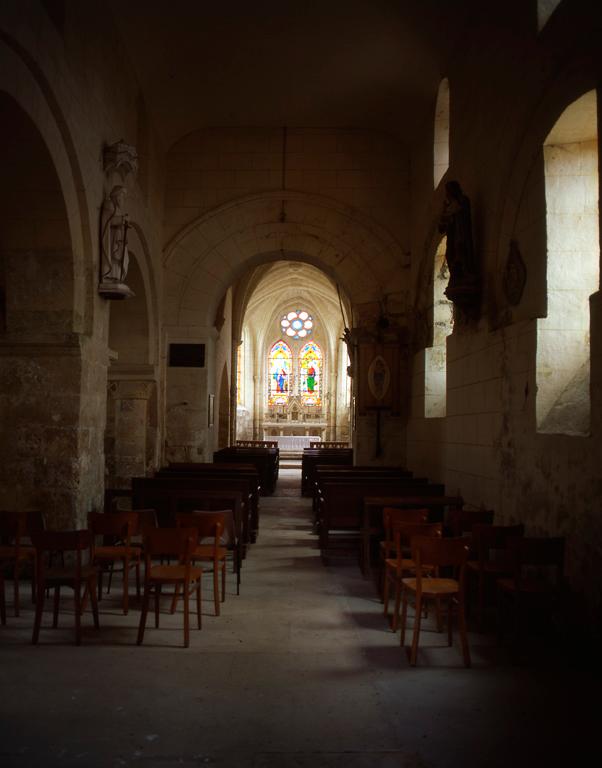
(297, 324)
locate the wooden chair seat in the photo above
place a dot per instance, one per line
(530, 585)
(14, 526)
(116, 551)
(173, 573)
(2, 600)
(433, 586)
(407, 564)
(489, 566)
(116, 528)
(536, 580)
(25, 553)
(492, 560)
(64, 574)
(210, 526)
(441, 553)
(178, 543)
(391, 516)
(396, 568)
(206, 552)
(81, 574)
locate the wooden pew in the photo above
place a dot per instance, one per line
(372, 518)
(314, 456)
(225, 471)
(168, 495)
(257, 443)
(266, 461)
(330, 444)
(342, 474)
(341, 506)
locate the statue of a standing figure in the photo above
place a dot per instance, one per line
(113, 236)
(114, 257)
(456, 223)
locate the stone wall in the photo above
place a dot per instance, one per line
(488, 446)
(74, 99)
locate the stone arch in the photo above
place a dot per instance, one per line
(441, 133)
(208, 255)
(132, 425)
(41, 363)
(147, 272)
(141, 312)
(22, 79)
(524, 191)
(223, 412)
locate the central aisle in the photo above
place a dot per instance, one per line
(300, 671)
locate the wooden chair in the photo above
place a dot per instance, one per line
(392, 515)
(536, 580)
(400, 565)
(47, 544)
(438, 553)
(210, 526)
(116, 528)
(460, 521)
(14, 552)
(489, 543)
(179, 543)
(2, 599)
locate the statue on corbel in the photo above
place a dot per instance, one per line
(464, 288)
(119, 160)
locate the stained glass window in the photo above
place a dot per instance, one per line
(297, 324)
(280, 370)
(239, 375)
(310, 374)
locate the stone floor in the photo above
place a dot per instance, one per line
(300, 671)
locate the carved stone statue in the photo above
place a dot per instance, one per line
(114, 257)
(456, 223)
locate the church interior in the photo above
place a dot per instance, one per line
(237, 230)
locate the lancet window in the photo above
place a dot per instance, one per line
(280, 373)
(310, 374)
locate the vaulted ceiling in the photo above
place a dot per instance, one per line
(343, 63)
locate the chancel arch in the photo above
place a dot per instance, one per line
(295, 376)
(132, 427)
(213, 252)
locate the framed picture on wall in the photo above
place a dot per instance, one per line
(210, 410)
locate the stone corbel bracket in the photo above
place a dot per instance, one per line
(120, 158)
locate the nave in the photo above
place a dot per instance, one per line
(299, 671)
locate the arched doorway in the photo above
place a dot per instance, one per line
(131, 430)
(41, 363)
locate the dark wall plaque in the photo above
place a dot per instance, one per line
(186, 355)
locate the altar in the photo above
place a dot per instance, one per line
(294, 443)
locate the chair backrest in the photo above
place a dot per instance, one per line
(462, 520)
(404, 533)
(147, 520)
(543, 554)
(439, 552)
(209, 525)
(113, 526)
(170, 542)
(53, 542)
(489, 539)
(62, 541)
(9, 526)
(393, 515)
(228, 535)
(34, 522)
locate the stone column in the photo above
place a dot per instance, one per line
(127, 431)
